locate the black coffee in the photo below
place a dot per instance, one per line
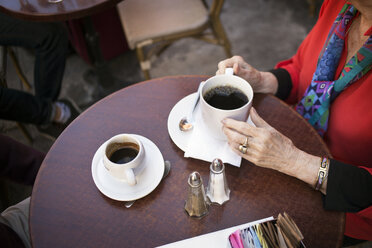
(226, 97)
(121, 153)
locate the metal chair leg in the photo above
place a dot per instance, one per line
(220, 33)
(4, 84)
(145, 64)
(312, 7)
(18, 69)
(25, 132)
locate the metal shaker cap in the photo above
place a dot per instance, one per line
(217, 191)
(195, 179)
(217, 166)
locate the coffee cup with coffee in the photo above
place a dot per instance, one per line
(224, 96)
(123, 157)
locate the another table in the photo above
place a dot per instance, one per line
(67, 210)
(42, 10)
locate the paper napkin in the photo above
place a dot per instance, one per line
(203, 146)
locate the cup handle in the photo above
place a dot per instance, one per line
(131, 178)
(229, 71)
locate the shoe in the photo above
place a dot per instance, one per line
(53, 130)
(75, 110)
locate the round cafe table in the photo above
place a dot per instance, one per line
(67, 209)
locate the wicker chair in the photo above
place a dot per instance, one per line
(155, 24)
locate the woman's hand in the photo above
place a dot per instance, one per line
(261, 82)
(266, 146)
(270, 149)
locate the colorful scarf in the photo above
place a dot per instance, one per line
(314, 106)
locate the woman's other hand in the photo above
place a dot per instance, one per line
(261, 82)
(270, 149)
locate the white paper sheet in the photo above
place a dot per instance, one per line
(218, 239)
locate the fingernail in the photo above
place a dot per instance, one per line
(223, 121)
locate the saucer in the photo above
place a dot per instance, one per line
(179, 111)
(182, 107)
(147, 181)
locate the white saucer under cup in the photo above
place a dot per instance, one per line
(181, 139)
(147, 181)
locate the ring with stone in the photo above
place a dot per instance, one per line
(243, 149)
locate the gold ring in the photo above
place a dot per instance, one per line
(245, 142)
(243, 149)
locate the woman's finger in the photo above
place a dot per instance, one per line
(236, 68)
(235, 137)
(239, 126)
(249, 152)
(257, 120)
(224, 64)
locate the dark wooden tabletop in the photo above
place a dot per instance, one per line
(67, 210)
(43, 10)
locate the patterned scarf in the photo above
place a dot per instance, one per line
(314, 106)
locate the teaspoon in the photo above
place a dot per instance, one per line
(187, 122)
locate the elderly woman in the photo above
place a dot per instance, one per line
(330, 83)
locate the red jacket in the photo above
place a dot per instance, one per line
(349, 134)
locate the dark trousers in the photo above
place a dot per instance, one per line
(18, 162)
(49, 41)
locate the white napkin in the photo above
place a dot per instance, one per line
(203, 146)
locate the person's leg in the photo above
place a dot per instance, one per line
(50, 43)
(16, 105)
(19, 162)
(50, 59)
(16, 217)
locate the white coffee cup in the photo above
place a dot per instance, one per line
(123, 158)
(213, 116)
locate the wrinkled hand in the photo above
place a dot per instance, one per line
(270, 149)
(241, 69)
(261, 82)
(266, 146)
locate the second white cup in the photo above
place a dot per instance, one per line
(123, 158)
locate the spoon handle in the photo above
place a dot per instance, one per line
(167, 167)
(196, 100)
